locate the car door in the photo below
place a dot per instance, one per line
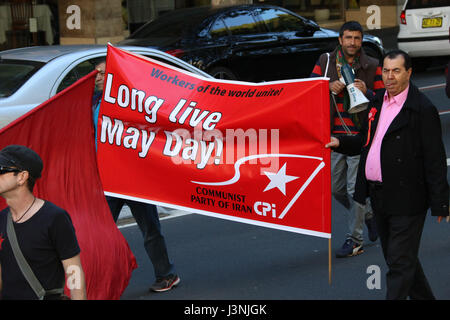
(304, 42)
(253, 53)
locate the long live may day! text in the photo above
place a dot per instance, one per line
(113, 130)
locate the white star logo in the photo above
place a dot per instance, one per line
(279, 180)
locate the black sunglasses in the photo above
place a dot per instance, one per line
(4, 170)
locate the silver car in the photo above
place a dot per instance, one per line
(30, 76)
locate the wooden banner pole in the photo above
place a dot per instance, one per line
(329, 261)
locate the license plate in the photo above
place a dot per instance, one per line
(432, 22)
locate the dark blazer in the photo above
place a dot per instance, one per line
(413, 159)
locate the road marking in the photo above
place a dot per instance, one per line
(177, 213)
(127, 225)
(434, 86)
(173, 214)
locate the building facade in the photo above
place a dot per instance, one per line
(103, 21)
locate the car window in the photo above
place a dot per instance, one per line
(218, 29)
(418, 4)
(14, 73)
(78, 72)
(172, 24)
(162, 29)
(241, 22)
(280, 21)
(169, 62)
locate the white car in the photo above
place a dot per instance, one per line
(424, 28)
(30, 76)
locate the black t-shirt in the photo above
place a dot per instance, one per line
(45, 239)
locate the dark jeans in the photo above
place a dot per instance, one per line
(147, 218)
(400, 240)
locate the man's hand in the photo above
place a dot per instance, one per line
(361, 85)
(334, 143)
(336, 86)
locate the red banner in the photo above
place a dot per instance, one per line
(61, 131)
(247, 152)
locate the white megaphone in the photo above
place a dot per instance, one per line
(358, 101)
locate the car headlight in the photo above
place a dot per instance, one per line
(378, 40)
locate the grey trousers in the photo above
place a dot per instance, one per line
(343, 177)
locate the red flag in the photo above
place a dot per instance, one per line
(247, 152)
(61, 131)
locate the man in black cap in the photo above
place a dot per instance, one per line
(44, 232)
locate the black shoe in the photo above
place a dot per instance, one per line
(349, 249)
(165, 283)
(372, 228)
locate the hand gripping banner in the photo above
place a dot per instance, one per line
(247, 152)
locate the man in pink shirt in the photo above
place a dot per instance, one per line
(403, 169)
(389, 110)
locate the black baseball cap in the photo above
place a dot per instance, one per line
(23, 158)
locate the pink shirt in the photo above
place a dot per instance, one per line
(389, 110)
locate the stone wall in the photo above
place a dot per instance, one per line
(388, 15)
(100, 21)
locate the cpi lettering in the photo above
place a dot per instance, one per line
(264, 208)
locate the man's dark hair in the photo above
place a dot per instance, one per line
(30, 182)
(395, 53)
(350, 26)
(99, 61)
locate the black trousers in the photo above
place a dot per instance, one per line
(146, 216)
(400, 240)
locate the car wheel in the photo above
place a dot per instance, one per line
(222, 73)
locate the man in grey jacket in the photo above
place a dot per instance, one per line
(344, 167)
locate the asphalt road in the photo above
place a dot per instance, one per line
(220, 259)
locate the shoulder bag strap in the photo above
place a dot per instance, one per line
(328, 62)
(347, 130)
(23, 264)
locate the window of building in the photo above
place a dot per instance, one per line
(309, 8)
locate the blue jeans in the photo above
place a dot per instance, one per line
(147, 218)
